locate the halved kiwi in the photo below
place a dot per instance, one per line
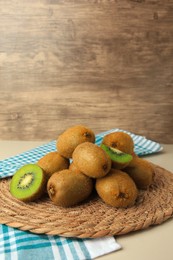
(119, 140)
(117, 155)
(28, 183)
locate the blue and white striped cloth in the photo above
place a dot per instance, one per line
(18, 245)
(8, 166)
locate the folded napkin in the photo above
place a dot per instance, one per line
(142, 146)
(18, 245)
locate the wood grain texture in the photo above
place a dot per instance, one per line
(104, 64)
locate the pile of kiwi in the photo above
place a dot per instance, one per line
(79, 167)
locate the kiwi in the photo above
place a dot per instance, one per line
(132, 162)
(141, 171)
(117, 157)
(73, 168)
(72, 137)
(119, 140)
(117, 189)
(91, 160)
(53, 162)
(28, 183)
(67, 188)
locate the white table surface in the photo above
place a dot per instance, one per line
(154, 243)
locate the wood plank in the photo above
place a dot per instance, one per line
(104, 63)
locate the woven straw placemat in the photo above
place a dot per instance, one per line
(93, 218)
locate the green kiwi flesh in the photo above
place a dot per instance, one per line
(28, 183)
(116, 155)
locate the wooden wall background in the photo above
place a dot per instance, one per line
(104, 64)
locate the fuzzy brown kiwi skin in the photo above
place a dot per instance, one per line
(133, 161)
(117, 189)
(91, 160)
(141, 171)
(53, 162)
(67, 188)
(119, 166)
(72, 137)
(74, 168)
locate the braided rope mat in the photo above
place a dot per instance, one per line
(93, 218)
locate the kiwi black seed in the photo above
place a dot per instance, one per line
(72, 137)
(91, 160)
(28, 183)
(53, 162)
(67, 188)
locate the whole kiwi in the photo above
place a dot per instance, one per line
(92, 160)
(72, 137)
(117, 189)
(141, 171)
(67, 188)
(53, 162)
(73, 168)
